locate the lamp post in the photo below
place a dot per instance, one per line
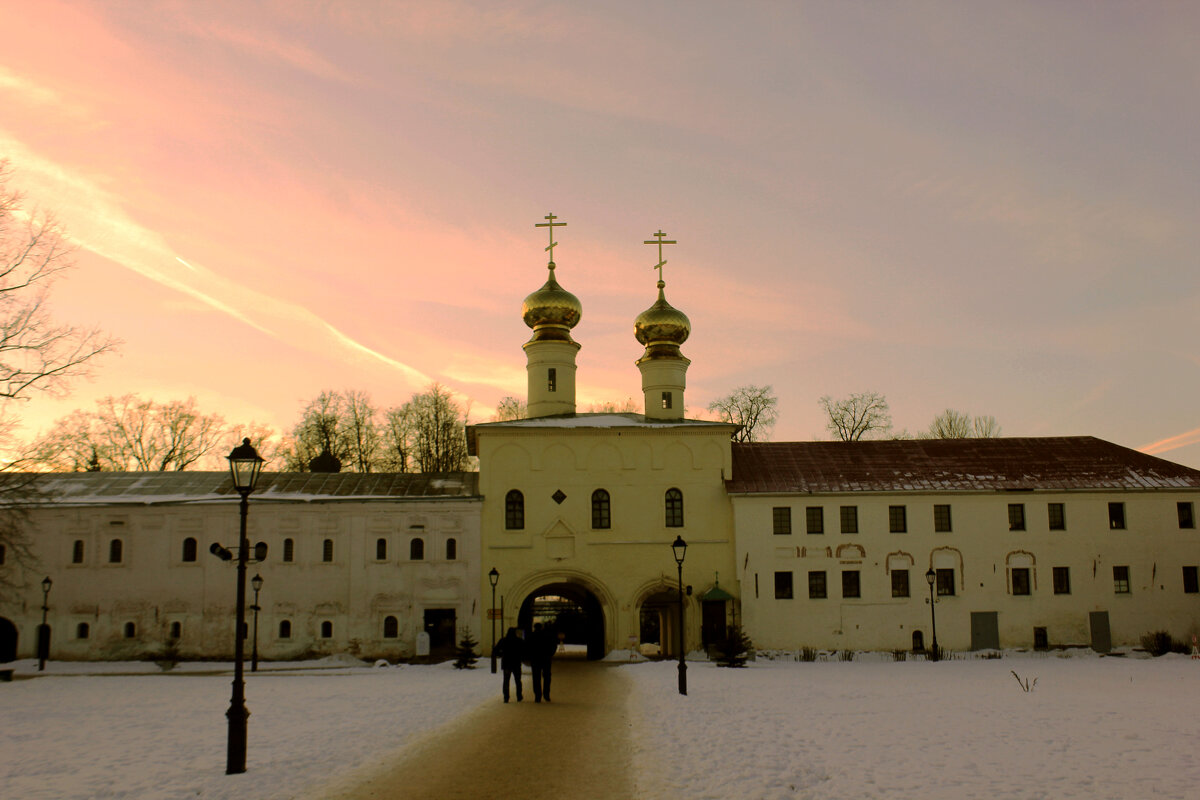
(931, 579)
(44, 629)
(493, 579)
(257, 583)
(679, 548)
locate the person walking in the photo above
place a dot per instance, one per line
(542, 645)
(511, 650)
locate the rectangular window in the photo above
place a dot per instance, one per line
(851, 586)
(945, 582)
(816, 585)
(289, 550)
(897, 519)
(1121, 580)
(77, 552)
(781, 520)
(783, 586)
(1116, 516)
(1057, 513)
(1016, 516)
(1186, 517)
(814, 519)
(849, 519)
(1062, 580)
(941, 518)
(1191, 581)
(899, 583)
(327, 550)
(552, 379)
(666, 399)
(1020, 580)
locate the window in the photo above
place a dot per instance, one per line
(897, 519)
(77, 552)
(1062, 580)
(381, 549)
(1121, 580)
(1057, 513)
(115, 551)
(601, 510)
(391, 627)
(666, 399)
(176, 630)
(1116, 516)
(1016, 516)
(327, 551)
(514, 511)
(781, 520)
(899, 583)
(130, 630)
(1186, 518)
(816, 585)
(416, 549)
(552, 379)
(851, 586)
(285, 629)
(849, 519)
(1191, 581)
(814, 519)
(326, 630)
(674, 503)
(1020, 580)
(945, 582)
(189, 549)
(451, 549)
(82, 631)
(289, 550)
(783, 586)
(941, 518)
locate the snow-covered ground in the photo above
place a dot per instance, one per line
(1091, 727)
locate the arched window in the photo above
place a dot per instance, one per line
(82, 631)
(115, 548)
(391, 627)
(285, 629)
(674, 508)
(326, 630)
(451, 549)
(416, 549)
(130, 630)
(289, 550)
(601, 512)
(514, 511)
(176, 630)
(189, 549)
(77, 552)
(381, 549)
(327, 550)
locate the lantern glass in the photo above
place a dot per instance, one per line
(930, 576)
(257, 582)
(494, 577)
(244, 466)
(679, 546)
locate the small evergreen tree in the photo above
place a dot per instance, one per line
(733, 650)
(465, 655)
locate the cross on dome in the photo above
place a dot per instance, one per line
(551, 225)
(660, 241)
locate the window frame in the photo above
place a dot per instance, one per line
(851, 584)
(1187, 515)
(391, 627)
(1016, 517)
(289, 550)
(673, 507)
(814, 520)
(116, 551)
(849, 519)
(900, 583)
(942, 519)
(1059, 524)
(190, 550)
(897, 519)
(78, 551)
(601, 510)
(514, 510)
(416, 549)
(381, 548)
(781, 520)
(327, 552)
(1021, 582)
(944, 582)
(1121, 582)
(818, 584)
(452, 549)
(1191, 580)
(1117, 521)
(784, 585)
(1061, 577)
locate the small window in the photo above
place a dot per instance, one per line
(1016, 516)
(381, 549)
(1057, 513)
(666, 400)
(176, 630)
(601, 510)
(1041, 641)
(899, 583)
(1186, 517)
(945, 582)
(552, 379)
(514, 511)
(189, 549)
(285, 629)
(851, 585)
(416, 550)
(326, 630)
(1116, 516)
(1062, 580)
(783, 586)
(327, 551)
(674, 508)
(941, 518)
(1121, 580)
(77, 552)
(814, 519)
(781, 520)
(1191, 582)
(130, 630)
(849, 519)
(82, 631)
(3, 554)
(897, 519)
(451, 549)
(816, 585)
(289, 550)
(115, 551)
(1020, 580)
(391, 627)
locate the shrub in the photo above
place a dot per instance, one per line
(899, 655)
(808, 654)
(733, 650)
(845, 655)
(1158, 643)
(465, 656)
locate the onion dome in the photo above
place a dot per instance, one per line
(662, 328)
(551, 311)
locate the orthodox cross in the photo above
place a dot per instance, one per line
(660, 241)
(551, 224)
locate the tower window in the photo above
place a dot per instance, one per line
(666, 399)
(552, 379)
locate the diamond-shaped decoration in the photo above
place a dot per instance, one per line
(558, 496)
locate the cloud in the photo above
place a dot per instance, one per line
(1171, 443)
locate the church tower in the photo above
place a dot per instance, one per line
(662, 329)
(551, 312)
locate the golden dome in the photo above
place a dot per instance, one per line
(662, 324)
(551, 308)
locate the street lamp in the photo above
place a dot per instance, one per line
(245, 464)
(44, 629)
(931, 578)
(679, 548)
(493, 579)
(256, 582)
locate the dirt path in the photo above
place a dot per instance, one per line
(576, 746)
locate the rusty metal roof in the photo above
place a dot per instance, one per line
(951, 465)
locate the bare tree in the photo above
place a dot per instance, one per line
(321, 429)
(864, 415)
(951, 424)
(629, 406)
(754, 408)
(395, 440)
(362, 430)
(510, 408)
(438, 440)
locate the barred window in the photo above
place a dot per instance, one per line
(327, 550)
(514, 511)
(601, 510)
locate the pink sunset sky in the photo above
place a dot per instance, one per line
(984, 206)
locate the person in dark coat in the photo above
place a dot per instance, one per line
(542, 645)
(511, 650)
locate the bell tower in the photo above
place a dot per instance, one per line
(662, 329)
(551, 312)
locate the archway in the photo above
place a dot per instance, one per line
(658, 624)
(8, 640)
(570, 610)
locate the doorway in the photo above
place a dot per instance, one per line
(441, 627)
(8, 640)
(571, 612)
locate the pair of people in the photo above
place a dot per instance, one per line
(538, 651)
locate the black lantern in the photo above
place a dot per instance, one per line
(44, 629)
(256, 583)
(493, 579)
(931, 579)
(679, 548)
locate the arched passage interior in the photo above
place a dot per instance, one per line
(569, 609)
(8, 640)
